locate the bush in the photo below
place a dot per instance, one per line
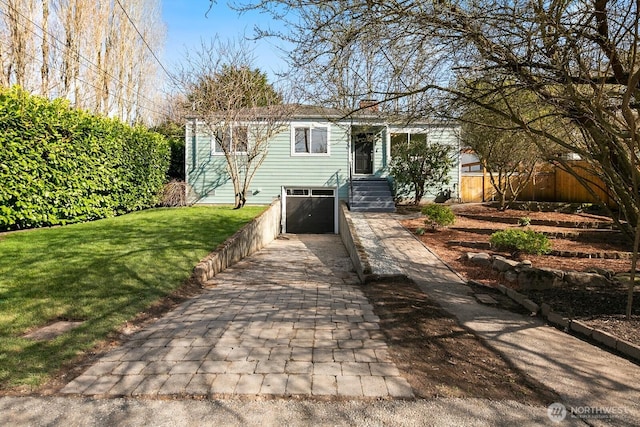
(174, 194)
(525, 241)
(59, 165)
(524, 221)
(438, 215)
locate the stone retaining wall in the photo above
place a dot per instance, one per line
(527, 277)
(352, 243)
(249, 239)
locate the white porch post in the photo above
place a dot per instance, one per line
(388, 146)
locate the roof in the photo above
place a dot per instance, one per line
(368, 115)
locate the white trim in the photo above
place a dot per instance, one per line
(310, 125)
(387, 147)
(213, 144)
(283, 207)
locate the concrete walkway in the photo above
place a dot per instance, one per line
(585, 376)
(288, 320)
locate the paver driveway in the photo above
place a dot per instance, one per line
(288, 320)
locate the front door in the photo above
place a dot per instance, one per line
(363, 154)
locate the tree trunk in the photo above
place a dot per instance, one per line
(634, 264)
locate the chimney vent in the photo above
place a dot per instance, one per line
(369, 105)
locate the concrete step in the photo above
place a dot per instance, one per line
(371, 195)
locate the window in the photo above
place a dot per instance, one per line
(297, 192)
(310, 140)
(233, 139)
(398, 139)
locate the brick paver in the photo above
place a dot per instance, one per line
(288, 320)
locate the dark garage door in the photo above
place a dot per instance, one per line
(310, 211)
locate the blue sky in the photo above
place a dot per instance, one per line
(187, 25)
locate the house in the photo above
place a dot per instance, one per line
(317, 159)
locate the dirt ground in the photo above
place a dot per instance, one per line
(599, 307)
(438, 357)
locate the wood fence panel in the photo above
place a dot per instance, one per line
(550, 185)
(472, 188)
(571, 189)
(541, 188)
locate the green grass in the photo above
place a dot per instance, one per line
(103, 272)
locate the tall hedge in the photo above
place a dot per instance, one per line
(59, 165)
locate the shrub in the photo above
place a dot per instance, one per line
(59, 165)
(438, 215)
(524, 221)
(525, 241)
(174, 194)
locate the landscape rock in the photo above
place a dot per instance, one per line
(545, 309)
(482, 258)
(503, 264)
(511, 276)
(525, 264)
(603, 272)
(584, 280)
(539, 278)
(530, 305)
(468, 256)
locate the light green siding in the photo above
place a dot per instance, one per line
(210, 183)
(206, 172)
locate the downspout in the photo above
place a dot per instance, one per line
(350, 163)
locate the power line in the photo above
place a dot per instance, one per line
(79, 54)
(87, 83)
(145, 42)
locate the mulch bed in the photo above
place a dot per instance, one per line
(602, 308)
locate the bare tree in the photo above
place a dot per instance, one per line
(86, 51)
(242, 111)
(580, 59)
(508, 153)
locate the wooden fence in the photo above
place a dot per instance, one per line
(551, 184)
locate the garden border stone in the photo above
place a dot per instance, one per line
(577, 327)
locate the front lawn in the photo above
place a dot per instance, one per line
(102, 272)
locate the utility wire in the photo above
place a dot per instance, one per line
(88, 61)
(145, 42)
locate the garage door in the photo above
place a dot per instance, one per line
(310, 211)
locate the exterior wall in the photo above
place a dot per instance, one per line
(380, 154)
(206, 172)
(450, 136)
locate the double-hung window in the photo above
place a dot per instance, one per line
(231, 139)
(310, 140)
